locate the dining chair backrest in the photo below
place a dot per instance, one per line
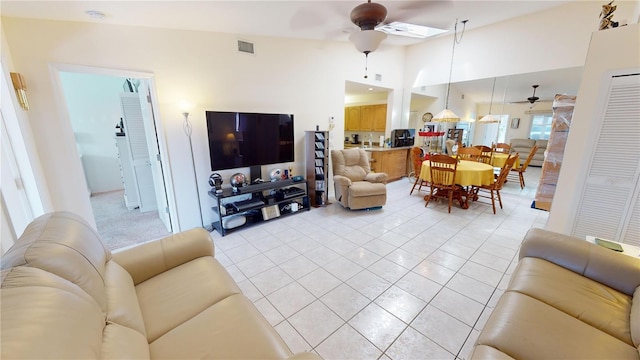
(485, 153)
(443, 170)
(504, 172)
(502, 148)
(417, 157)
(532, 153)
(469, 153)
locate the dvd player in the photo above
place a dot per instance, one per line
(248, 204)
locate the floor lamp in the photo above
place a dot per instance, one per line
(188, 130)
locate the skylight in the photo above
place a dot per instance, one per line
(410, 30)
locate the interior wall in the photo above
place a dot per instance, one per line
(302, 77)
(94, 110)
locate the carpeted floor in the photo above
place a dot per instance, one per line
(120, 227)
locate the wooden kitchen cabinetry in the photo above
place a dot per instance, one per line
(366, 118)
(391, 161)
(352, 118)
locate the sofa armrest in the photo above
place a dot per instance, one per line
(376, 177)
(155, 257)
(619, 271)
(341, 180)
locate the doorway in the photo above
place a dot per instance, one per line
(114, 126)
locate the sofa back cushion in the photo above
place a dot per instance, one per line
(62, 243)
(45, 316)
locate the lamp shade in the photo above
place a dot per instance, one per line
(489, 119)
(446, 115)
(367, 41)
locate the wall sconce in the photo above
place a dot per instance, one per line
(21, 89)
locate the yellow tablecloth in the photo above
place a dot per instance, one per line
(468, 173)
(498, 160)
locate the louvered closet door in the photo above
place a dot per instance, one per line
(134, 127)
(610, 205)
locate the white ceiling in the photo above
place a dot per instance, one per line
(308, 19)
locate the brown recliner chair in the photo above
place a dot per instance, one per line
(356, 187)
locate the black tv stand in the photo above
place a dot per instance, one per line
(266, 200)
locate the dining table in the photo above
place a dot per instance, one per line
(498, 160)
(468, 173)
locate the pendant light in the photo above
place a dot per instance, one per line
(447, 115)
(490, 118)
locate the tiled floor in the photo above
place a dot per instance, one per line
(403, 282)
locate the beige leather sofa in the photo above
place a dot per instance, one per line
(567, 299)
(65, 296)
(356, 187)
(524, 146)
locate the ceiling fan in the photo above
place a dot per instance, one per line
(531, 99)
(372, 16)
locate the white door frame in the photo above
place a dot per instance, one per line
(57, 68)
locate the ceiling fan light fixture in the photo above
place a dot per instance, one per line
(367, 41)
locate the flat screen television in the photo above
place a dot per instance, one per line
(238, 139)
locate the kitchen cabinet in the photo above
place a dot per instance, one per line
(392, 161)
(366, 118)
(352, 118)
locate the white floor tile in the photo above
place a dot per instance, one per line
(377, 325)
(379, 270)
(316, 322)
(345, 301)
(346, 343)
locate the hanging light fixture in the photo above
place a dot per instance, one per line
(367, 16)
(490, 118)
(447, 115)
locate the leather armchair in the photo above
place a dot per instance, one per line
(356, 187)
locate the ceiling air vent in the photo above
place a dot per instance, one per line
(245, 47)
(378, 77)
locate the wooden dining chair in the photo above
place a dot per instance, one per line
(502, 148)
(485, 153)
(518, 174)
(417, 157)
(443, 170)
(493, 190)
(469, 153)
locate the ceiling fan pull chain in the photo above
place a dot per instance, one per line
(366, 62)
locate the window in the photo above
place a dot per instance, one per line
(541, 126)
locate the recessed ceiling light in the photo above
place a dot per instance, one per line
(94, 14)
(370, 89)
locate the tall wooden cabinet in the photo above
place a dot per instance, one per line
(317, 164)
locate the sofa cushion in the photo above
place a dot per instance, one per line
(63, 244)
(526, 328)
(364, 188)
(635, 318)
(179, 294)
(121, 342)
(587, 300)
(122, 301)
(231, 329)
(45, 316)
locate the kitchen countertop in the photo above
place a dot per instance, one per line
(374, 147)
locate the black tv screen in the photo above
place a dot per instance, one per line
(239, 139)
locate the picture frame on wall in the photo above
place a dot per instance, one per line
(515, 123)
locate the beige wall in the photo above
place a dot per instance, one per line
(306, 78)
